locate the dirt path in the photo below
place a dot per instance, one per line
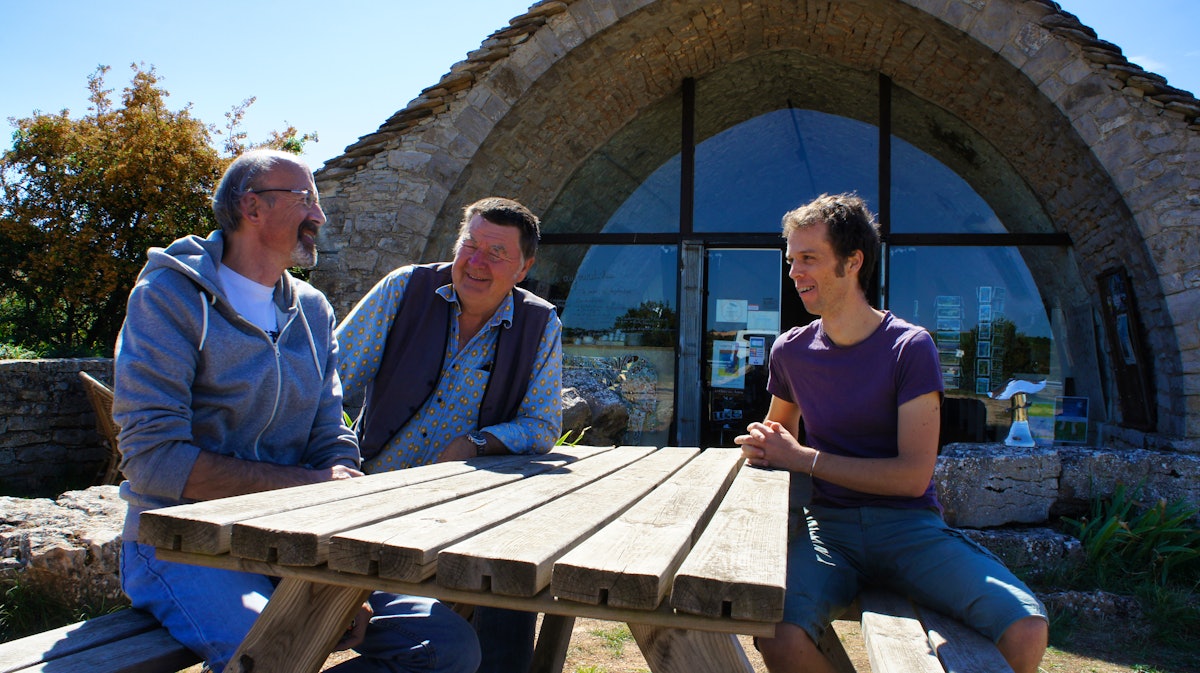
(607, 647)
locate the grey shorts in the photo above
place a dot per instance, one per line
(911, 552)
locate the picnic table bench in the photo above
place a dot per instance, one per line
(127, 641)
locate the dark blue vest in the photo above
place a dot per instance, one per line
(416, 347)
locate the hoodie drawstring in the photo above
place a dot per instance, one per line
(204, 310)
(312, 346)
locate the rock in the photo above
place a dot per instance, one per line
(1088, 473)
(68, 548)
(1095, 605)
(607, 415)
(576, 413)
(1030, 550)
(984, 485)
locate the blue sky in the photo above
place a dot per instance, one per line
(342, 68)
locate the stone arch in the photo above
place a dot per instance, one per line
(1103, 145)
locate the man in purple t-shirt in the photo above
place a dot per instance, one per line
(868, 387)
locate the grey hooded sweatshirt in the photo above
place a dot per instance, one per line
(192, 375)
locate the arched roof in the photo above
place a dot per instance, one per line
(1108, 149)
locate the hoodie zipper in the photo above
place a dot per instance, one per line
(278, 380)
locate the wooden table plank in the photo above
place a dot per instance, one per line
(630, 562)
(544, 602)
(516, 557)
(299, 536)
(406, 547)
(738, 567)
(896, 641)
(205, 527)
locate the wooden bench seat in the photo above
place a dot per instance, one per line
(128, 641)
(901, 637)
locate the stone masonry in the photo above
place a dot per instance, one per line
(48, 437)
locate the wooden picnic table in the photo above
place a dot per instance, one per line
(686, 546)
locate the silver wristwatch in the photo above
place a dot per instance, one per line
(479, 441)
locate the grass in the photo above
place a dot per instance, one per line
(615, 638)
(28, 609)
(1149, 551)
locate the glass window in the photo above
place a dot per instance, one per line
(620, 326)
(749, 175)
(928, 197)
(956, 182)
(990, 324)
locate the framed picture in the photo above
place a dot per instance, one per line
(985, 294)
(948, 300)
(949, 325)
(985, 313)
(982, 385)
(1070, 420)
(985, 331)
(983, 349)
(949, 312)
(983, 368)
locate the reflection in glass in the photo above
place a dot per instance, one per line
(620, 326)
(990, 324)
(928, 197)
(743, 288)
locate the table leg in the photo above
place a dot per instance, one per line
(831, 646)
(553, 640)
(299, 627)
(670, 650)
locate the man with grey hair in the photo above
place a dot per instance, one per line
(226, 382)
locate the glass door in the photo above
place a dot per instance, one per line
(743, 305)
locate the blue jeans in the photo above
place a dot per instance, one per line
(505, 639)
(210, 611)
(914, 553)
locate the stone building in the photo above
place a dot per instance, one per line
(1039, 198)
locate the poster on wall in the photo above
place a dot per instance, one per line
(727, 369)
(1070, 420)
(732, 310)
(762, 321)
(758, 350)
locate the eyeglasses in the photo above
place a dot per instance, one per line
(310, 196)
(468, 248)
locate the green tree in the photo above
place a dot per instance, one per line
(654, 321)
(81, 200)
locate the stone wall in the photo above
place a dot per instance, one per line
(48, 437)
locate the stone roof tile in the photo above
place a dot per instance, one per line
(498, 46)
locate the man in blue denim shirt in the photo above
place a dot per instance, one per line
(457, 362)
(226, 382)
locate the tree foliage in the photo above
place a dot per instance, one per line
(81, 200)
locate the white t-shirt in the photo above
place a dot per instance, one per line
(252, 300)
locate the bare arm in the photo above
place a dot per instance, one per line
(773, 444)
(216, 476)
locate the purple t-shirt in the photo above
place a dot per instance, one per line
(849, 398)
